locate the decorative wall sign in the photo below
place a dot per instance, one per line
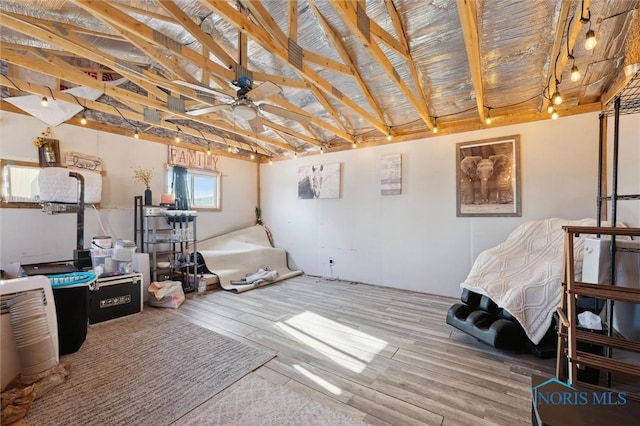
(192, 159)
(77, 160)
(488, 177)
(319, 181)
(391, 174)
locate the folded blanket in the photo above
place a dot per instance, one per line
(524, 273)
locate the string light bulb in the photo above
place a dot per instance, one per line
(270, 160)
(83, 119)
(229, 148)
(136, 134)
(554, 115)
(591, 41)
(208, 149)
(389, 136)
(177, 138)
(353, 145)
(550, 109)
(557, 99)
(575, 73)
(435, 128)
(321, 150)
(253, 156)
(44, 102)
(295, 155)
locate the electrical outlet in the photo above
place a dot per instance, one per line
(331, 261)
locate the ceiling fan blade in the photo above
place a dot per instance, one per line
(207, 110)
(292, 115)
(200, 87)
(264, 91)
(256, 124)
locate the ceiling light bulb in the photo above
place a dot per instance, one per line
(488, 120)
(554, 115)
(136, 134)
(575, 74)
(557, 99)
(245, 112)
(389, 137)
(270, 161)
(353, 145)
(435, 129)
(177, 138)
(550, 109)
(208, 151)
(321, 150)
(229, 148)
(44, 102)
(295, 155)
(591, 41)
(253, 156)
(83, 120)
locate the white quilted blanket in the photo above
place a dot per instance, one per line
(524, 273)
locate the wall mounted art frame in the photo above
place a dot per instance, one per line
(391, 174)
(488, 177)
(319, 181)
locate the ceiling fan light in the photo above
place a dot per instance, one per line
(591, 41)
(245, 112)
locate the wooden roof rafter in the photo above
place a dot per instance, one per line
(109, 109)
(349, 13)
(261, 36)
(344, 55)
(468, 20)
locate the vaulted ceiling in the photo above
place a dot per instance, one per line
(322, 74)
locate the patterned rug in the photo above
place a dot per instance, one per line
(255, 401)
(149, 369)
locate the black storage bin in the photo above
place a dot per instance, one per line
(72, 311)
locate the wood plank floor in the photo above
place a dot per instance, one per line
(380, 354)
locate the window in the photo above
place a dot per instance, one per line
(204, 188)
(20, 183)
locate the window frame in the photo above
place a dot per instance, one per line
(4, 203)
(190, 179)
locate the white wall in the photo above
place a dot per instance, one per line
(28, 235)
(414, 240)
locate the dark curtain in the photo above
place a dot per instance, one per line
(180, 188)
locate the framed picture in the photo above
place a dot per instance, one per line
(391, 174)
(319, 181)
(488, 177)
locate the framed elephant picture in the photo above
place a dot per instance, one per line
(488, 177)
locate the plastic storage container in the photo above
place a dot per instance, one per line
(113, 261)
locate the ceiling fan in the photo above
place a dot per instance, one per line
(244, 105)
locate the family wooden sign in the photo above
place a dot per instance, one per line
(192, 159)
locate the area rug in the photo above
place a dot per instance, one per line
(240, 253)
(149, 369)
(257, 402)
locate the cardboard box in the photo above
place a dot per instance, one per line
(115, 297)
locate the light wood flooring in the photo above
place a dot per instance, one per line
(380, 354)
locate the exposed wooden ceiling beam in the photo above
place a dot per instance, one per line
(468, 21)
(109, 109)
(197, 32)
(292, 13)
(344, 55)
(397, 25)
(120, 94)
(135, 30)
(350, 17)
(260, 35)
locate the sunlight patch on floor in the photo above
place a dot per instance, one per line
(344, 345)
(319, 380)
